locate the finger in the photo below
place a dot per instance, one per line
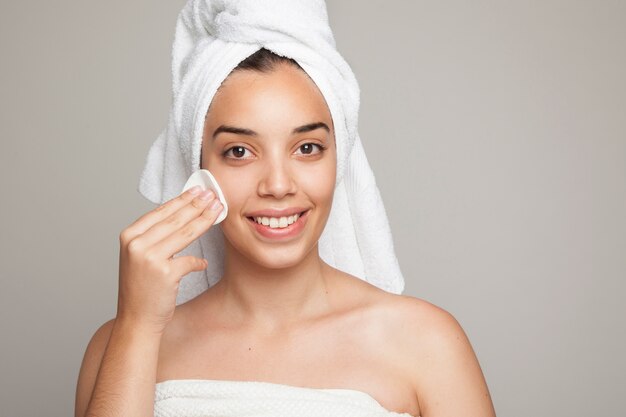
(176, 220)
(182, 237)
(182, 265)
(161, 212)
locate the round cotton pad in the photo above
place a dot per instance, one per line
(205, 179)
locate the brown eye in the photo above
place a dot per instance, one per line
(238, 152)
(307, 148)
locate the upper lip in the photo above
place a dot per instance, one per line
(286, 212)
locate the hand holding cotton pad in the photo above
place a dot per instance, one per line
(206, 181)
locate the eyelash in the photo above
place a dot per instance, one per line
(224, 154)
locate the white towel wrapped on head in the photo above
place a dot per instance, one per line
(212, 37)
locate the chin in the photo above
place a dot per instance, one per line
(284, 264)
(277, 258)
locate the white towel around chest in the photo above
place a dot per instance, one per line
(222, 398)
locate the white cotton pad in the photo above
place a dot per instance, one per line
(206, 180)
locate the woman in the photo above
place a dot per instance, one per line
(279, 314)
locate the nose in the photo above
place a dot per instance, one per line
(277, 180)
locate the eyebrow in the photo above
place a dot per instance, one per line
(242, 131)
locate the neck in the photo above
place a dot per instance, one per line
(271, 298)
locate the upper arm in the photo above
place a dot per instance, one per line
(448, 377)
(90, 366)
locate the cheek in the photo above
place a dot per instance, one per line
(319, 184)
(236, 191)
(236, 188)
(233, 187)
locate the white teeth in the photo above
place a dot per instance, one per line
(277, 222)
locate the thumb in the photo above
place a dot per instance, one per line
(185, 264)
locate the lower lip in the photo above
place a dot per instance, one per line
(290, 231)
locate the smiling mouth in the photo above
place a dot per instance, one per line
(277, 222)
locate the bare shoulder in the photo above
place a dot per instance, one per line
(400, 312)
(90, 366)
(402, 320)
(415, 325)
(425, 321)
(439, 358)
(425, 329)
(432, 350)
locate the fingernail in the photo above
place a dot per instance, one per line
(215, 205)
(206, 195)
(195, 190)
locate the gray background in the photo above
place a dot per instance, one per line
(497, 131)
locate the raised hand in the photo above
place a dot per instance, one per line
(149, 274)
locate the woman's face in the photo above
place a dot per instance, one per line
(265, 142)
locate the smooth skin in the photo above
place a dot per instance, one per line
(279, 313)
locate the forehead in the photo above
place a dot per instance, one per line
(284, 96)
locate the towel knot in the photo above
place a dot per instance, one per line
(256, 22)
